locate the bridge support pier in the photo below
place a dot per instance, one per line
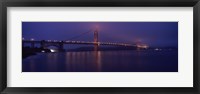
(32, 44)
(42, 44)
(96, 46)
(61, 46)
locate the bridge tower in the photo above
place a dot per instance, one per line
(96, 39)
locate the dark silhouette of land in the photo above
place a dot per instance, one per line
(27, 51)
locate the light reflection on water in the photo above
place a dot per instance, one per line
(103, 61)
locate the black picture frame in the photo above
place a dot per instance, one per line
(100, 3)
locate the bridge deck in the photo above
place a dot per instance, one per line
(81, 42)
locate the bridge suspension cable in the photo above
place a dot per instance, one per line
(78, 36)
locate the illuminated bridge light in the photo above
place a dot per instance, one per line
(92, 42)
(32, 39)
(146, 46)
(142, 46)
(156, 49)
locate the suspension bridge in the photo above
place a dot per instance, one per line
(60, 44)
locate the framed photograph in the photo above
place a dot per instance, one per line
(77, 46)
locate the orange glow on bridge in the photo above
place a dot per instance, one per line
(143, 46)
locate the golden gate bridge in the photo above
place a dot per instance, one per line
(60, 44)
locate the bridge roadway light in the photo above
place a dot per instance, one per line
(145, 46)
(142, 46)
(32, 39)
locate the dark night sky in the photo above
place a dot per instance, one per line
(159, 34)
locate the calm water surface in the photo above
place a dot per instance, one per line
(103, 61)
